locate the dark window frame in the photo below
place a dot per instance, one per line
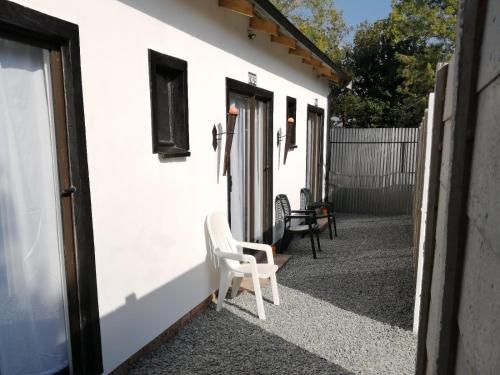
(291, 111)
(175, 71)
(38, 29)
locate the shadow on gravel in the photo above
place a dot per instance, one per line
(223, 343)
(371, 294)
(367, 270)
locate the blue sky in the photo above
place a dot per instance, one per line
(357, 11)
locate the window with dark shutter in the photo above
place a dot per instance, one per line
(291, 111)
(169, 105)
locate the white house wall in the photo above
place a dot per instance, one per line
(148, 215)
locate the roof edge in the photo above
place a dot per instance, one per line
(284, 22)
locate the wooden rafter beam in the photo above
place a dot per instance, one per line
(323, 70)
(244, 7)
(335, 78)
(312, 61)
(247, 8)
(327, 72)
(300, 52)
(284, 40)
(260, 24)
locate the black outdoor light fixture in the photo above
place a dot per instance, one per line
(290, 123)
(230, 124)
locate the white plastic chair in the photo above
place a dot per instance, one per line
(234, 265)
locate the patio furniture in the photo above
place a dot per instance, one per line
(296, 222)
(306, 204)
(234, 265)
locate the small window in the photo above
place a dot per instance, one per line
(291, 111)
(169, 105)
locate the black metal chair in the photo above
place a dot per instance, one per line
(307, 223)
(306, 204)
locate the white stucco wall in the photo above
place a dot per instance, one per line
(148, 215)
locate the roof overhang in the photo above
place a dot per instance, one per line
(265, 17)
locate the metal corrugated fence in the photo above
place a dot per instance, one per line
(372, 170)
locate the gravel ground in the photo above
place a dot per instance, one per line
(347, 312)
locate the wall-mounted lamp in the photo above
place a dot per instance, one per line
(290, 123)
(251, 34)
(230, 124)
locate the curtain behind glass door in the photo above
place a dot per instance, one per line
(314, 154)
(247, 169)
(310, 152)
(260, 129)
(238, 168)
(33, 337)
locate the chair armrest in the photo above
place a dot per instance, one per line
(259, 246)
(310, 212)
(237, 256)
(289, 217)
(316, 205)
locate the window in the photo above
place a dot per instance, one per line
(169, 105)
(291, 111)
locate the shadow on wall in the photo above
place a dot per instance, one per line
(223, 343)
(130, 327)
(227, 31)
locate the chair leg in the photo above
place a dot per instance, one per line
(274, 288)
(312, 242)
(317, 240)
(285, 241)
(334, 225)
(225, 281)
(330, 227)
(236, 286)
(258, 297)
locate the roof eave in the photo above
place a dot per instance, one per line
(283, 21)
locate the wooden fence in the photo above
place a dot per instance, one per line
(372, 170)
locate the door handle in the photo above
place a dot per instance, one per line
(68, 192)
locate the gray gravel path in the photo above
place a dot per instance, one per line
(347, 312)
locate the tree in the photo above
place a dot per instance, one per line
(374, 100)
(391, 61)
(428, 29)
(392, 64)
(320, 21)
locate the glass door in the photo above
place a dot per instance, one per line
(33, 313)
(314, 163)
(249, 169)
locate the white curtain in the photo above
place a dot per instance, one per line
(241, 155)
(33, 336)
(260, 118)
(309, 159)
(238, 169)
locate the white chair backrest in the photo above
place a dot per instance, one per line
(220, 235)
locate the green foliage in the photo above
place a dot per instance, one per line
(428, 27)
(320, 21)
(391, 62)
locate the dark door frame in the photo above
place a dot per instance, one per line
(321, 112)
(31, 27)
(237, 87)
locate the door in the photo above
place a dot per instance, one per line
(35, 220)
(250, 169)
(49, 314)
(314, 164)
